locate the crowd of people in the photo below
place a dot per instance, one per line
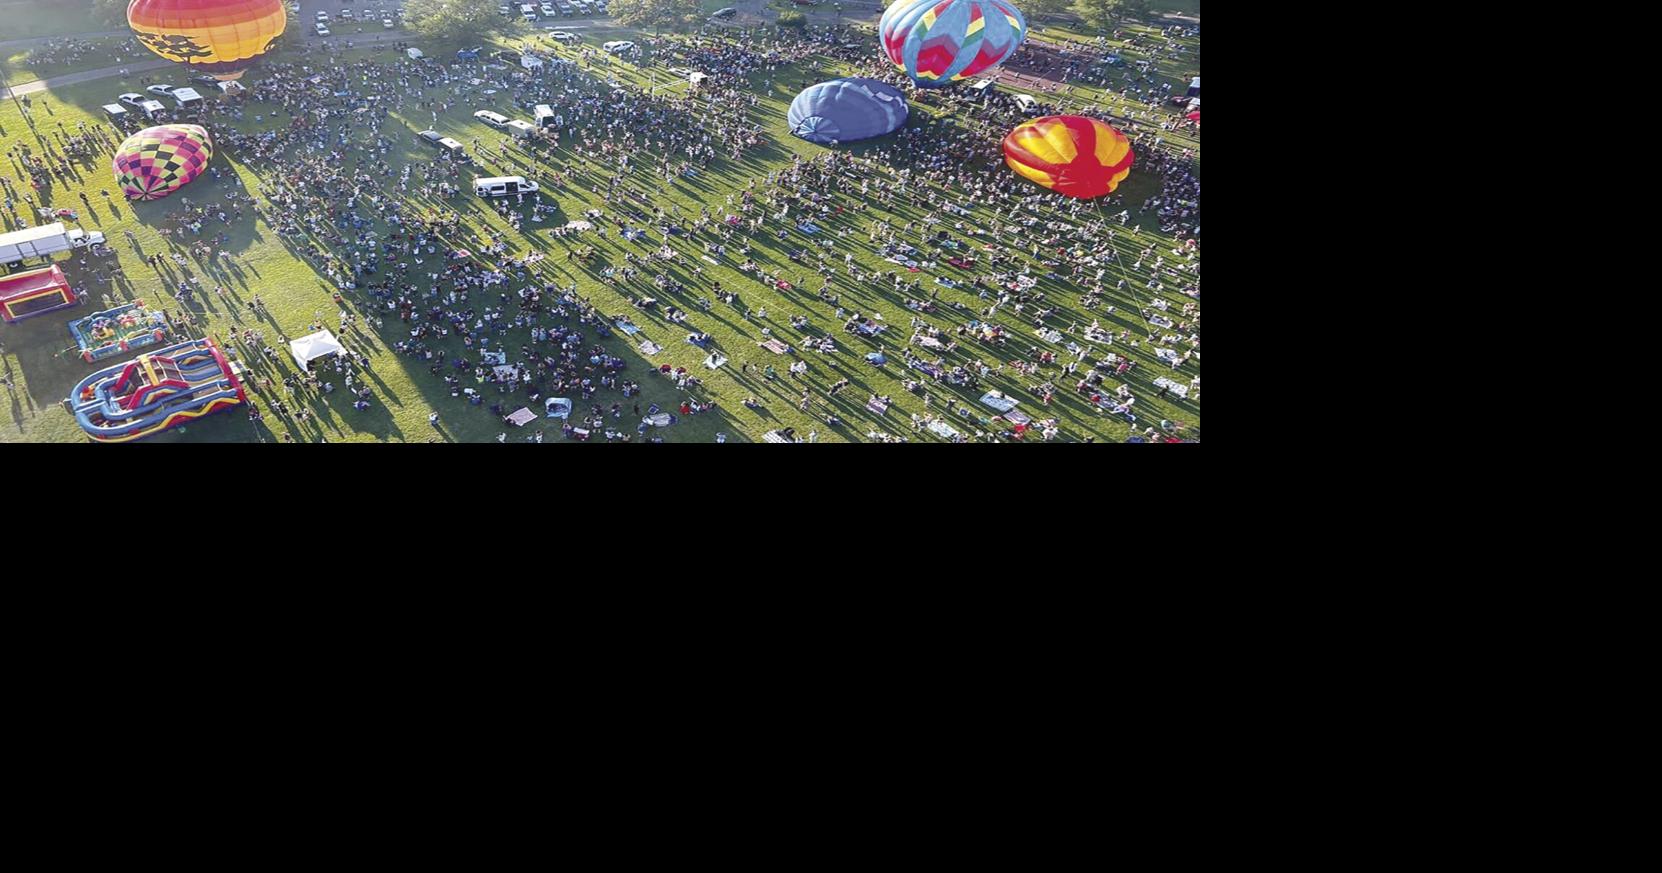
(1034, 277)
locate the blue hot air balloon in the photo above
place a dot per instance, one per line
(843, 110)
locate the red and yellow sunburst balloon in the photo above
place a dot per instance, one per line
(219, 37)
(1069, 154)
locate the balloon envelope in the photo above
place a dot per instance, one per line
(221, 37)
(1069, 154)
(844, 110)
(157, 161)
(940, 41)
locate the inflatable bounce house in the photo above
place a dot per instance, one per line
(106, 334)
(151, 393)
(37, 292)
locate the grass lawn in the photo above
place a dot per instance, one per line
(30, 64)
(25, 19)
(36, 354)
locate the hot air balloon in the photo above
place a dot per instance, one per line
(843, 110)
(221, 37)
(157, 161)
(1069, 154)
(940, 41)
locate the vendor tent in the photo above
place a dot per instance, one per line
(313, 346)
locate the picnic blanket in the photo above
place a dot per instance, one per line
(775, 346)
(660, 419)
(579, 225)
(997, 400)
(1170, 356)
(808, 227)
(773, 436)
(941, 280)
(1178, 388)
(522, 417)
(930, 342)
(877, 406)
(942, 429)
(626, 326)
(715, 360)
(650, 348)
(493, 359)
(1049, 336)
(1018, 417)
(876, 358)
(709, 260)
(1159, 321)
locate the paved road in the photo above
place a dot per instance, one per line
(84, 76)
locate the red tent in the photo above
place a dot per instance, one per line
(37, 292)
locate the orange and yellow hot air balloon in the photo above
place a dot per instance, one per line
(220, 37)
(1069, 154)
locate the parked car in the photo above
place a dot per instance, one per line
(565, 37)
(443, 143)
(494, 119)
(142, 103)
(503, 186)
(386, 23)
(471, 54)
(322, 16)
(564, 7)
(322, 29)
(619, 46)
(724, 14)
(506, 11)
(162, 90)
(547, 10)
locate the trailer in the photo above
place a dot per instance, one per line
(34, 242)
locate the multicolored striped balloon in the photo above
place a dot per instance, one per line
(222, 37)
(938, 42)
(157, 161)
(1069, 154)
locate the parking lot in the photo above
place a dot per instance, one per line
(349, 17)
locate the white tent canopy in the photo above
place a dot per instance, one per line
(318, 345)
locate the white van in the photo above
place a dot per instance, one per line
(503, 186)
(528, 12)
(545, 115)
(188, 99)
(521, 129)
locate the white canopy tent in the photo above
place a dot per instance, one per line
(318, 345)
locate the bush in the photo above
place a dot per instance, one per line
(793, 19)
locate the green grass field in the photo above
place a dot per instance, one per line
(42, 371)
(26, 19)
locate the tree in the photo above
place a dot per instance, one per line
(1035, 9)
(464, 20)
(656, 14)
(112, 12)
(1106, 14)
